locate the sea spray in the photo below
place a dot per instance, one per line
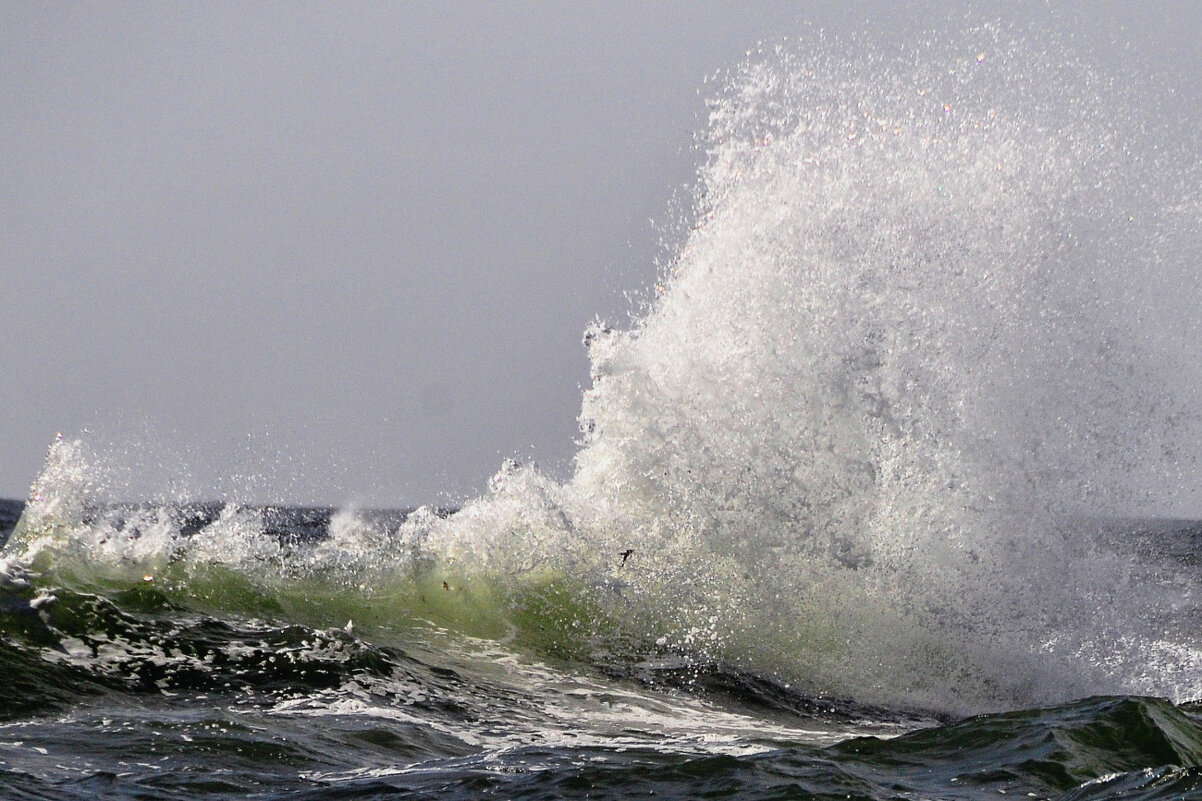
(897, 362)
(865, 440)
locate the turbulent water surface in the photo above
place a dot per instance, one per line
(874, 501)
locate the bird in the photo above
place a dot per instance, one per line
(626, 555)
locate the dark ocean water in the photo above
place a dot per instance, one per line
(136, 690)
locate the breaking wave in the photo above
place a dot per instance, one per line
(872, 438)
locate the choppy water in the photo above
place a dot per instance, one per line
(181, 683)
(873, 500)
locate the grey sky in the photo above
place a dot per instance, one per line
(324, 252)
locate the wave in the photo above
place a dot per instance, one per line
(905, 361)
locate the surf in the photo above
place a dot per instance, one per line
(868, 439)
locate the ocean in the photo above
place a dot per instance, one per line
(880, 496)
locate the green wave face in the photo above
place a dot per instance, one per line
(522, 566)
(384, 582)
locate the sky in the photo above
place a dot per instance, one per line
(345, 252)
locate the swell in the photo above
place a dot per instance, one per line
(1096, 748)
